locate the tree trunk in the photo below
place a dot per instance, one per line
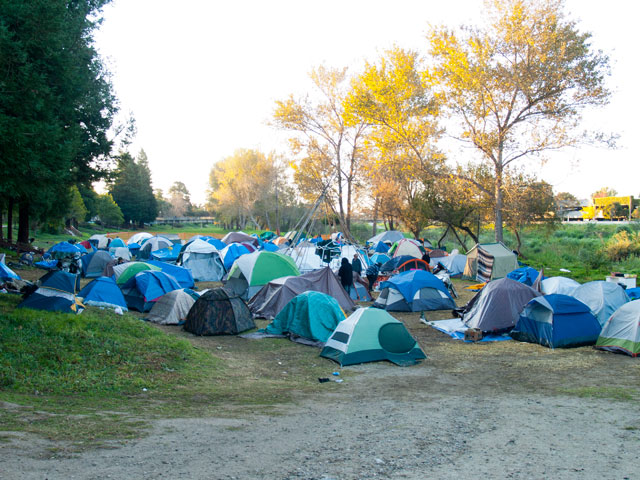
(23, 222)
(1, 218)
(374, 228)
(473, 236)
(443, 235)
(462, 244)
(519, 240)
(10, 221)
(498, 205)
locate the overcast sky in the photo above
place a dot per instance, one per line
(201, 76)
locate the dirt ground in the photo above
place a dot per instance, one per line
(484, 410)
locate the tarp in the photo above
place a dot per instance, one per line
(498, 305)
(311, 315)
(557, 321)
(103, 292)
(371, 335)
(454, 263)
(219, 311)
(173, 307)
(169, 254)
(7, 274)
(455, 328)
(621, 333)
(526, 275)
(603, 298)
(273, 296)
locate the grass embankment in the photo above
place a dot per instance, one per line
(100, 376)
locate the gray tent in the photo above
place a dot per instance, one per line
(489, 261)
(273, 297)
(173, 307)
(95, 263)
(498, 305)
(391, 236)
(203, 260)
(602, 298)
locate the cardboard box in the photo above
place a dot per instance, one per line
(473, 334)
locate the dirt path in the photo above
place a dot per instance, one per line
(388, 422)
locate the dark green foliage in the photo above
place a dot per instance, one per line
(132, 189)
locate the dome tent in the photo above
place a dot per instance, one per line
(152, 244)
(103, 292)
(311, 315)
(250, 272)
(498, 305)
(621, 333)
(56, 293)
(603, 298)
(407, 246)
(219, 311)
(142, 291)
(562, 285)
(182, 275)
(203, 259)
(371, 335)
(414, 291)
(173, 307)
(557, 321)
(231, 253)
(125, 271)
(390, 236)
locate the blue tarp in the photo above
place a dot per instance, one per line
(633, 293)
(526, 275)
(64, 249)
(269, 247)
(557, 321)
(134, 248)
(7, 274)
(116, 242)
(182, 275)
(103, 292)
(47, 265)
(166, 254)
(455, 328)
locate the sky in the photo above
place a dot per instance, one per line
(201, 77)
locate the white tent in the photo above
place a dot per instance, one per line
(138, 238)
(203, 259)
(621, 333)
(562, 285)
(603, 298)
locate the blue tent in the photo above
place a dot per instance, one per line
(64, 249)
(557, 321)
(381, 247)
(182, 275)
(219, 244)
(116, 242)
(269, 247)
(395, 262)
(414, 291)
(7, 274)
(380, 258)
(231, 253)
(134, 248)
(103, 292)
(56, 294)
(62, 281)
(526, 275)
(94, 263)
(633, 293)
(141, 292)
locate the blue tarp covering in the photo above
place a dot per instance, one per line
(6, 273)
(557, 321)
(64, 249)
(182, 275)
(526, 275)
(134, 248)
(633, 293)
(455, 328)
(103, 292)
(166, 254)
(47, 265)
(408, 283)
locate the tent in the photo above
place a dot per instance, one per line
(64, 250)
(152, 244)
(489, 261)
(203, 259)
(370, 335)
(621, 333)
(139, 238)
(116, 242)
(380, 247)
(273, 296)
(121, 252)
(526, 275)
(269, 247)
(56, 293)
(498, 305)
(306, 258)
(99, 241)
(103, 292)
(557, 321)
(141, 291)
(414, 291)
(219, 244)
(93, 264)
(603, 298)
(219, 311)
(125, 271)
(407, 246)
(311, 315)
(390, 236)
(379, 258)
(250, 272)
(182, 275)
(231, 253)
(134, 248)
(454, 263)
(562, 285)
(239, 237)
(169, 254)
(633, 293)
(395, 262)
(6, 273)
(172, 307)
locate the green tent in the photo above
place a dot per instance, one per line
(369, 335)
(251, 271)
(621, 333)
(312, 315)
(126, 271)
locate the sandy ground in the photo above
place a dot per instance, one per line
(388, 422)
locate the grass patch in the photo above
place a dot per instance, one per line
(99, 376)
(620, 394)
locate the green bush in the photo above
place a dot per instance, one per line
(623, 245)
(592, 259)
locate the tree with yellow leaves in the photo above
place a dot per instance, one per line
(519, 86)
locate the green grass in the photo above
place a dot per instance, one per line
(612, 393)
(99, 376)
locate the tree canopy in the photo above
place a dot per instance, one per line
(132, 190)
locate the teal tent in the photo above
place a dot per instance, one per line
(370, 335)
(312, 315)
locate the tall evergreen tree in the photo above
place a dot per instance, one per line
(132, 189)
